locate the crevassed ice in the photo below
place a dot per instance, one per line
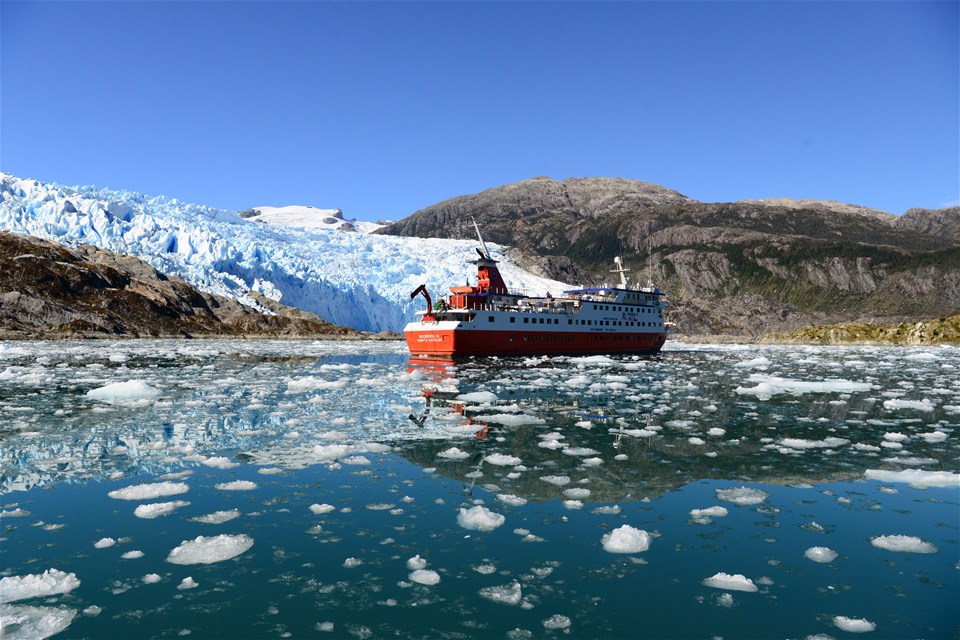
(352, 279)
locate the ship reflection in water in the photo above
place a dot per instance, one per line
(351, 489)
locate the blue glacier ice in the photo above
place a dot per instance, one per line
(352, 279)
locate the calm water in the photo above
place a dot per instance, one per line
(354, 459)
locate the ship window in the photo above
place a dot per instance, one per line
(512, 319)
(489, 318)
(569, 321)
(526, 320)
(556, 321)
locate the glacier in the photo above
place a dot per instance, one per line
(356, 280)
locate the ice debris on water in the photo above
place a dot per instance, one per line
(103, 543)
(853, 625)
(820, 554)
(23, 622)
(915, 477)
(150, 491)
(321, 508)
(479, 518)
(505, 594)
(187, 583)
(503, 460)
(626, 539)
(731, 582)
(158, 509)
(49, 583)
(903, 544)
(705, 516)
(204, 550)
(453, 453)
(123, 392)
(425, 577)
(557, 622)
(236, 485)
(218, 517)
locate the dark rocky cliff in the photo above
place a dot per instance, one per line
(48, 290)
(740, 268)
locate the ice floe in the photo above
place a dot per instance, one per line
(103, 543)
(23, 622)
(135, 391)
(479, 518)
(820, 554)
(903, 544)
(158, 509)
(769, 386)
(424, 576)
(236, 485)
(501, 459)
(853, 625)
(510, 594)
(150, 491)
(626, 539)
(730, 582)
(453, 453)
(217, 517)
(207, 550)
(187, 583)
(37, 585)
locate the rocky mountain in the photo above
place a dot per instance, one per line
(741, 268)
(48, 290)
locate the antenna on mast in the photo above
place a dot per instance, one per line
(623, 278)
(486, 253)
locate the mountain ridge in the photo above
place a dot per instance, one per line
(740, 268)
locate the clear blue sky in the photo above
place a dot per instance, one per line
(384, 108)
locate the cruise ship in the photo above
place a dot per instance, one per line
(488, 319)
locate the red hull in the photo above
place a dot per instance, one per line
(511, 343)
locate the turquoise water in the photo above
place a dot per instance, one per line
(566, 450)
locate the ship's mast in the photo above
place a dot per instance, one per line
(486, 253)
(623, 278)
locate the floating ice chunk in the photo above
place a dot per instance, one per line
(203, 550)
(37, 585)
(23, 622)
(820, 554)
(217, 517)
(158, 509)
(331, 452)
(735, 582)
(903, 544)
(800, 443)
(580, 451)
(696, 441)
(416, 562)
(557, 622)
(478, 397)
(756, 363)
(220, 462)
(512, 500)
(607, 510)
(103, 543)
(187, 583)
(236, 485)
(572, 504)
(742, 496)
(626, 539)
(150, 491)
(704, 516)
(453, 453)
(123, 392)
(716, 431)
(151, 578)
(769, 386)
(479, 518)
(592, 462)
(853, 625)
(321, 508)
(136, 554)
(859, 446)
(502, 460)
(356, 460)
(556, 480)
(934, 437)
(896, 436)
(915, 477)
(577, 493)
(352, 563)
(513, 419)
(919, 405)
(506, 594)
(424, 576)
(14, 513)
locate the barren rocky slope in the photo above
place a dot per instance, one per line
(48, 290)
(739, 268)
